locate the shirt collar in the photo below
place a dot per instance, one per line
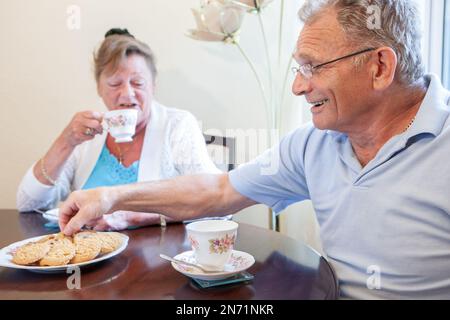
(434, 110)
(334, 134)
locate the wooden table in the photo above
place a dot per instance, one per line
(285, 269)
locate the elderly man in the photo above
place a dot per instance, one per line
(375, 162)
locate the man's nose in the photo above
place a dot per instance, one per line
(301, 85)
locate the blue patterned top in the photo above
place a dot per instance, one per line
(109, 172)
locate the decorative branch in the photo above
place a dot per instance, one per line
(221, 20)
(258, 79)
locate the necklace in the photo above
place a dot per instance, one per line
(122, 154)
(409, 125)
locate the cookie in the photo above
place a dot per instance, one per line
(86, 249)
(51, 238)
(58, 249)
(109, 241)
(62, 250)
(84, 235)
(30, 253)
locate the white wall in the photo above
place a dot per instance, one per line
(46, 72)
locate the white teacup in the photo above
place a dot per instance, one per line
(212, 241)
(121, 124)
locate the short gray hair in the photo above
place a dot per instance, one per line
(115, 48)
(400, 29)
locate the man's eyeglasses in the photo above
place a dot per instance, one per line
(307, 70)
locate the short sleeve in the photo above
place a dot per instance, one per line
(277, 177)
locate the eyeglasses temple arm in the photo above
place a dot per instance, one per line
(345, 57)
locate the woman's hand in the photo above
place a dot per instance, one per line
(121, 220)
(112, 222)
(84, 126)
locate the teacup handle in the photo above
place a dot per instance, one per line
(105, 125)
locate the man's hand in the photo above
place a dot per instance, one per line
(180, 198)
(84, 208)
(121, 220)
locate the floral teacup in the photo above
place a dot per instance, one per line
(121, 124)
(212, 241)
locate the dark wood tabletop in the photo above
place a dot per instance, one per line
(285, 269)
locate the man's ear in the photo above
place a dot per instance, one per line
(383, 67)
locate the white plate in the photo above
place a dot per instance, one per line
(238, 262)
(52, 215)
(6, 257)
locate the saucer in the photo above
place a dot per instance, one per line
(239, 261)
(51, 215)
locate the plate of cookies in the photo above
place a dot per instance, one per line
(57, 252)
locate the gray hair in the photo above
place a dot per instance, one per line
(115, 48)
(399, 28)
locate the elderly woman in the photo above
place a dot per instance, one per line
(167, 141)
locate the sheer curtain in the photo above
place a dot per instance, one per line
(433, 18)
(446, 52)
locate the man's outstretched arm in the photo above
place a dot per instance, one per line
(181, 198)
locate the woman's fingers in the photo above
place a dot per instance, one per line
(94, 125)
(93, 120)
(93, 115)
(84, 126)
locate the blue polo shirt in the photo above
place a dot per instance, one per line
(385, 228)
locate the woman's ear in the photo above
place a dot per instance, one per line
(383, 67)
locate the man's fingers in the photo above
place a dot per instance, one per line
(97, 225)
(66, 211)
(80, 209)
(102, 226)
(75, 224)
